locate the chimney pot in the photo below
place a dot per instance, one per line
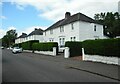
(67, 15)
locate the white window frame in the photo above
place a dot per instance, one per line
(72, 26)
(61, 28)
(51, 31)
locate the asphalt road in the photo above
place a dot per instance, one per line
(30, 67)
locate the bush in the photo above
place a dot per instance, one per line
(46, 46)
(75, 48)
(105, 47)
(28, 45)
(17, 45)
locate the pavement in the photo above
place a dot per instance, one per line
(106, 70)
(101, 69)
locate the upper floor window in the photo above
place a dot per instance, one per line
(62, 29)
(94, 27)
(72, 26)
(45, 33)
(51, 31)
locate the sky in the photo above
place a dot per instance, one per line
(25, 15)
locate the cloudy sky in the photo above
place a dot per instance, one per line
(25, 15)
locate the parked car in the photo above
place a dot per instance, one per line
(2, 47)
(17, 50)
(10, 48)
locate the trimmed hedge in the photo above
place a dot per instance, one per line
(17, 45)
(75, 48)
(46, 46)
(105, 47)
(28, 45)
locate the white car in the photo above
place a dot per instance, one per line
(2, 47)
(16, 50)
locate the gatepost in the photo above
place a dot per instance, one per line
(54, 51)
(67, 52)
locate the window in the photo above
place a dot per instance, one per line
(72, 26)
(94, 27)
(51, 31)
(71, 38)
(51, 39)
(45, 33)
(74, 38)
(62, 29)
(63, 41)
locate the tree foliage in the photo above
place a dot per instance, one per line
(9, 38)
(111, 23)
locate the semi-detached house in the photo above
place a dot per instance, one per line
(37, 34)
(21, 38)
(77, 27)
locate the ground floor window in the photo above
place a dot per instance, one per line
(51, 39)
(72, 38)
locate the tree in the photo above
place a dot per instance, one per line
(9, 38)
(112, 21)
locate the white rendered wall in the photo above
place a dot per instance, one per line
(87, 31)
(67, 34)
(82, 31)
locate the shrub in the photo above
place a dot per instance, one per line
(46, 46)
(28, 45)
(105, 47)
(17, 45)
(75, 48)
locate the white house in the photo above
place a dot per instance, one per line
(77, 27)
(21, 38)
(119, 7)
(37, 34)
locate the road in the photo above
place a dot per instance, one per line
(30, 67)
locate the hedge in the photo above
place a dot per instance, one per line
(17, 45)
(105, 47)
(46, 46)
(75, 48)
(28, 45)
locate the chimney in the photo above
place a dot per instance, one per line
(35, 28)
(24, 34)
(67, 15)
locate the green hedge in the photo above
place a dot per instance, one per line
(28, 45)
(105, 47)
(46, 46)
(75, 48)
(17, 45)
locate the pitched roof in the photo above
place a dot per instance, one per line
(23, 35)
(73, 18)
(36, 32)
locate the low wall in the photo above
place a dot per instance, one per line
(27, 50)
(44, 52)
(103, 59)
(53, 53)
(99, 58)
